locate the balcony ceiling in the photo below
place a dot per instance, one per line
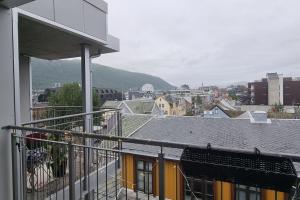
(47, 42)
(13, 3)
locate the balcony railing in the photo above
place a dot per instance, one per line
(46, 112)
(58, 158)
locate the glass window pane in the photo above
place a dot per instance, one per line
(140, 181)
(140, 165)
(241, 195)
(253, 196)
(149, 166)
(148, 183)
(188, 195)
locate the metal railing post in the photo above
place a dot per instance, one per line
(71, 171)
(16, 185)
(119, 125)
(161, 166)
(297, 191)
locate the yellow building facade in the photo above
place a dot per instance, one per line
(176, 184)
(179, 107)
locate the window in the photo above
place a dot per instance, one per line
(201, 189)
(216, 111)
(144, 176)
(243, 192)
(162, 105)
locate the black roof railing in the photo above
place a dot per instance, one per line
(253, 169)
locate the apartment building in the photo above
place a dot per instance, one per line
(226, 167)
(172, 105)
(274, 89)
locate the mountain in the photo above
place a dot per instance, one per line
(46, 73)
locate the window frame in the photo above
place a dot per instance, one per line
(145, 171)
(204, 182)
(248, 192)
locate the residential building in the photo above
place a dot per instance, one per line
(145, 92)
(179, 92)
(219, 111)
(107, 94)
(190, 173)
(274, 89)
(171, 105)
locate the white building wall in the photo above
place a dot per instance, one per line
(275, 89)
(25, 89)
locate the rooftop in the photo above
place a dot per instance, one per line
(280, 136)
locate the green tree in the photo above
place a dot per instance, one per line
(71, 95)
(278, 108)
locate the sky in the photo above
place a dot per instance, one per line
(214, 42)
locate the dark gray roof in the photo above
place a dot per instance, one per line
(112, 104)
(171, 99)
(141, 106)
(280, 136)
(131, 123)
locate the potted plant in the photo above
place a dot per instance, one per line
(58, 157)
(36, 150)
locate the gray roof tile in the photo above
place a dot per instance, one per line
(281, 136)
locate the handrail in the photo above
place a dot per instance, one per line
(69, 116)
(44, 107)
(161, 144)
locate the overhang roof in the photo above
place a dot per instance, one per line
(44, 41)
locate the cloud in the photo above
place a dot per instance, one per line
(210, 41)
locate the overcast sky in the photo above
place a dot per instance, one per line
(210, 41)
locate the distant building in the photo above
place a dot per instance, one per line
(219, 111)
(179, 92)
(215, 112)
(107, 94)
(274, 89)
(146, 92)
(171, 105)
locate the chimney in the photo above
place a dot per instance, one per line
(259, 117)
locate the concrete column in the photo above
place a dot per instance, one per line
(25, 89)
(7, 109)
(86, 84)
(87, 106)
